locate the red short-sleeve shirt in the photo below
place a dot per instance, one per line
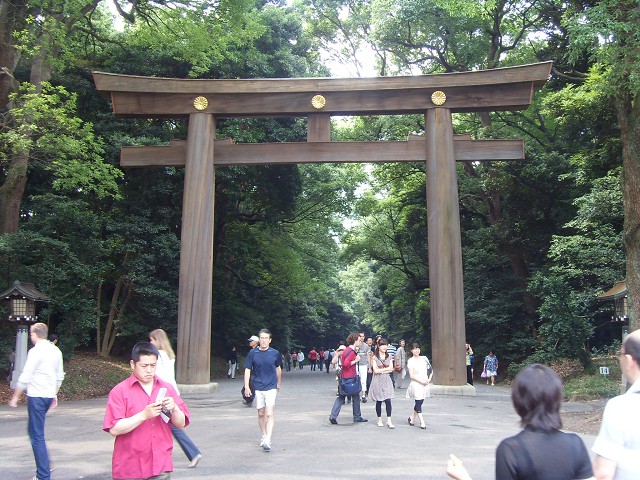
(146, 450)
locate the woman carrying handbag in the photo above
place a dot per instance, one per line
(349, 377)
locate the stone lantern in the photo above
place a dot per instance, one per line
(22, 298)
(621, 312)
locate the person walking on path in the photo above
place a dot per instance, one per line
(287, 361)
(418, 367)
(313, 357)
(300, 358)
(381, 389)
(469, 363)
(232, 359)
(41, 378)
(370, 351)
(165, 370)
(139, 411)
(327, 359)
(401, 360)
(617, 446)
(490, 369)
(540, 450)
(248, 399)
(266, 364)
(363, 366)
(349, 359)
(391, 351)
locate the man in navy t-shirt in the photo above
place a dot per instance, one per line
(266, 364)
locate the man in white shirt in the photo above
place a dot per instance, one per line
(363, 365)
(41, 377)
(617, 446)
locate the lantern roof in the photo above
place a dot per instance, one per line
(24, 290)
(619, 290)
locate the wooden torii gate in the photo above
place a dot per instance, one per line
(435, 96)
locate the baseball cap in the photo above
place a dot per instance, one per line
(253, 338)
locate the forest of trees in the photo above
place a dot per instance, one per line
(315, 251)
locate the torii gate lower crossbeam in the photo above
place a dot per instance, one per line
(318, 99)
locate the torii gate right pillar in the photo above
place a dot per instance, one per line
(445, 257)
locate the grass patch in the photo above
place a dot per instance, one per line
(588, 387)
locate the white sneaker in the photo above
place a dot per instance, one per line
(195, 460)
(266, 446)
(262, 441)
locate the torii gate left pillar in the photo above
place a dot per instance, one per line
(196, 252)
(445, 255)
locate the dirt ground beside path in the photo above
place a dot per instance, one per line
(585, 422)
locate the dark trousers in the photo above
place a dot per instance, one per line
(469, 374)
(339, 402)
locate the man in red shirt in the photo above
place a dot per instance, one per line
(143, 441)
(350, 359)
(313, 357)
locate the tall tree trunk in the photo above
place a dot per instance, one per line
(628, 109)
(98, 317)
(15, 181)
(11, 192)
(13, 15)
(119, 301)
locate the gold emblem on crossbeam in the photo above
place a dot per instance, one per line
(318, 102)
(438, 97)
(200, 103)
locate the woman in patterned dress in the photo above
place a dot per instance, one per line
(381, 389)
(490, 367)
(418, 367)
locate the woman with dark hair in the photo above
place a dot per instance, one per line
(381, 389)
(418, 367)
(540, 451)
(490, 370)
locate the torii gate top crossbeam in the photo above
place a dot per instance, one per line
(485, 90)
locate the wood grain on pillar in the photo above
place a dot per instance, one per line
(445, 251)
(193, 363)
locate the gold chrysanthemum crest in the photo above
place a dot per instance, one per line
(438, 97)
(200, 103)
(318, 102)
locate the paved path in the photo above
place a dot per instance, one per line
(305, 445)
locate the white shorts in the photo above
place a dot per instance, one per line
(266, 398)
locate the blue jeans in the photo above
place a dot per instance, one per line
(355, 402)
(37, 407)
(188, 447)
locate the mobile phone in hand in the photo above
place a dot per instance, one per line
(165, 414)
(161, 394)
